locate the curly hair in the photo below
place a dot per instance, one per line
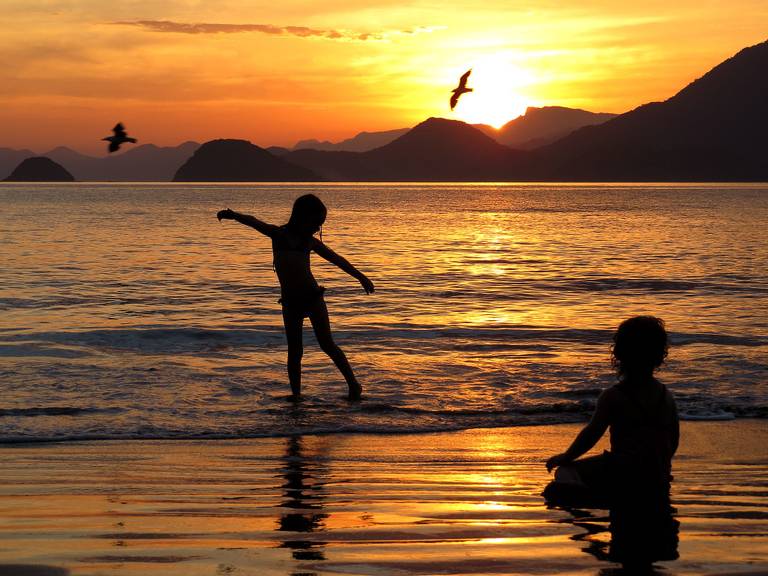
(639, 344)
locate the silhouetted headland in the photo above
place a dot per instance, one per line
(39, 169)
(239, 161)
(713, 129)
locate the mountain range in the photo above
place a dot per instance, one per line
(144, 163)
(362, 142)
(435, 150)
(713, 129)
(148, 162)
(538, 126)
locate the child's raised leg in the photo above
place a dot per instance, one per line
(322, 327)
(293, 333)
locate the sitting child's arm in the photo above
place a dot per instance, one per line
(323, 250)
(589, 435)
(263, 227)
(674, 427)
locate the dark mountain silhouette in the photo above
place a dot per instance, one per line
(540, 126)
(145, 163)
(277, 150)
(39, 169)
(365, 141)
(713, 129)
(488, 130)
(239, 161)
(10, 158)
(435, 150)
(362, 142)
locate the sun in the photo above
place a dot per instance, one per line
(495, 98)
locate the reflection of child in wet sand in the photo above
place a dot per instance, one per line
(634, 477)
(301, 296)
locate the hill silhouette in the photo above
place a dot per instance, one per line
(713, 129)
(435, 150)
(540, 126)
(365, 141)
(361, 142)
(10, 158)
(239, 161)
(144, 163)
(39, 169)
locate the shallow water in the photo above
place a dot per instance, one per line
(129, 311)
(404, 505)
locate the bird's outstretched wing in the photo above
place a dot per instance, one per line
(461, 88)
(463, 79)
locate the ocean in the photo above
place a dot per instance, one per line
(129, 311)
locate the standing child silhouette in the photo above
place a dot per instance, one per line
(301, 295)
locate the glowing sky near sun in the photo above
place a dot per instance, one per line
(274, 73)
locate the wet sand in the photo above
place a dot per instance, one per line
(445, 503)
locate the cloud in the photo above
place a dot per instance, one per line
(169, 26)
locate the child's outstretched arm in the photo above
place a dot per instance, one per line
(263, 227)
(323, 250)
(588, 437)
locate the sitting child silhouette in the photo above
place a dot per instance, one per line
(633, 478)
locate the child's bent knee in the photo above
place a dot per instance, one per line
(568, 474)
(330, 347)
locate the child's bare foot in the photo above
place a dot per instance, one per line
(355, 392)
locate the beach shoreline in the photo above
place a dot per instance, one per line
(465, 502)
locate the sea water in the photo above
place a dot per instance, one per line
(129, 311)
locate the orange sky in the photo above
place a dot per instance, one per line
(274, 73)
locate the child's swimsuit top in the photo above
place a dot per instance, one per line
(291, 261)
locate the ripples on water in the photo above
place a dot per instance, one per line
(128, 310)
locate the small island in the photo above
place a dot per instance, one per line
(39, 169)
(239, 161)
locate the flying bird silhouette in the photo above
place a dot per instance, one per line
(120, 137)
(460, 89)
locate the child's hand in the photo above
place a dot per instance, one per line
(225, 215)
(556, 461)
(367, 285)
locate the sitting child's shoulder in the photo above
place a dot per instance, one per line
(610, 393)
